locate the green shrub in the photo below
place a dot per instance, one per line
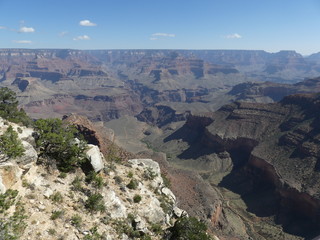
(52, 232)
(12, 227)
(137, 198)
(165, 203)
(93, 234)
(10, 144)
(189, 228)
(166, 181)
(95, 203)
(118, 179)
(122, 227)
(7, 199)
(76, 221)
(77, 183)
(156, 228)
(56, 214)
(149, 174)
(95, 179)
(9, 108)
(133, 184)
(146, 237)
(130, 174)
(56, 197)
(56, 140)
(62, 175)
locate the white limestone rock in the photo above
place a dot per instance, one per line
(30, 155)
(166, 191)
(152, 211)
(48, 192)
(10, 174)
(147, 163)
(179, 212)
(140, 225)
(115, 206)
(95, 157)
(2, 186)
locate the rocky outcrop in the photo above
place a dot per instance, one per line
(97, 134)
(123, 201)
(95, 157)
(161, 115)
(268, 92)
(93, 134)
(21, 83)
(272, 146)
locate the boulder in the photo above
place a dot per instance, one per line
(140, 225)
(115, 206)
(166, 191)
(48, 192)
(95, 157)
(30, 155)
(152, 211)
(10, 174)
(179, 212)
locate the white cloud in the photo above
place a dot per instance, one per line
(163, 35)
(3, 27)
(87, 23)
(153, 38)
(64, 33)
(83, 37)
(234, 36)
(27, 30)
(22, 41)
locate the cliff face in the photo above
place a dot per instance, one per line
(268, 92)
(268, 154)
(160, 116)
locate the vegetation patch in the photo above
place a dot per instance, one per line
(11, 225)
(95, 203)
(95, 179)
(133, 184)
(77, 183)
(189, 228)
(10, 144)
(93, 234)
(166, 181)
(137, 198)
(56, 197)
(9, 108)
(149, 174)
(56, 214)
(76, 221)
(57, 141)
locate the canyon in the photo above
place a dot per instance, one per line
(235, 131)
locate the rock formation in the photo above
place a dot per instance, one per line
(271, 150)
(123, 201)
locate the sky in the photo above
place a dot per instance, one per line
(270, 25)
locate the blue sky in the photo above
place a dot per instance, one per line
(270, 25)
